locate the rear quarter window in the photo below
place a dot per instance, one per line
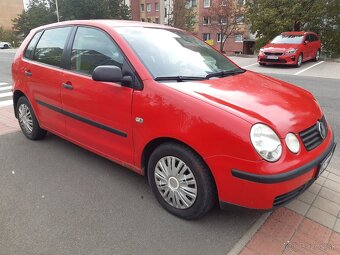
(30, 48)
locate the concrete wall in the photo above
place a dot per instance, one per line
(9, 9)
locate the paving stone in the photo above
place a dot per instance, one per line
(264, 245)
(334, 177)
(287, 216)
(307, 197)
(325, 173)
(334, 243)
(330, 195)
(298, 206)
(247, 251)
(315, 230)
(277, 230)
(332, 185)
(320, 180)
(315, 188)
(327, 205)
(337, 227)
(335, 170)
(321, 217)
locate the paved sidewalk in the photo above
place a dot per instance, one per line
(8, 123)
(310, 224)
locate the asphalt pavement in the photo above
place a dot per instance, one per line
(56, 198)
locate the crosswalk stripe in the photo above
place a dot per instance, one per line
(6, 94)
(6, 103)
(3, 83)
(5, 88)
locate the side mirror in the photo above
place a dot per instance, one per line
(107, 73)
(306, 42)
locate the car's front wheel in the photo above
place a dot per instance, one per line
(181, 181)
(299, 60)
(28, 121)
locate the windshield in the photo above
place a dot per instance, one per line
(289, 39)
(169, 53)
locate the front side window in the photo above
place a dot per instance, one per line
(51, 46)
(167, 52)
(30, 48)
(92, 48)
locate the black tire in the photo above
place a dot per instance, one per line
(299, 63)
(6, 46)
(36, 133)
(317, 56)
(206, 189)
(262, 64)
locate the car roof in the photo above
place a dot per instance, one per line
(296, 33)
(106, 22)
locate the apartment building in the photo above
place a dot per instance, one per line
(154, 11)
(9, 10)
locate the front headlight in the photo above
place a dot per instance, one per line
(266, 142)
(292, 143)
(291, 51)
(261, 51)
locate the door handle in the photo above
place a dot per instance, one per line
(67, 86)
(28, 73)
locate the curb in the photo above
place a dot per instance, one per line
(238, 247)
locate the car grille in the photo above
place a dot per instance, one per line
(282, 199)
(273, 60)
(273, 53)
(311, 137)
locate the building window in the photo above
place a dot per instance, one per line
(206, 3)
(157, 20)
(156, 7)
(142, 7)
(148, 7)
(239, 19)
(224, 2)
(223, 21)
(219, 37)
(206, 21)
(190, 3)
(241, 2)
(206, 36)
(238, 38)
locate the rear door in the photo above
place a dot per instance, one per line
(98, 114)
(309, 47)
(43, 72)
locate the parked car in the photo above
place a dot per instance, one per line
(163, 103)
(5, 45)
(291, 48)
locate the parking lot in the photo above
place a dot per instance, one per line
(57, 198)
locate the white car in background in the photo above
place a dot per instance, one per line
(5, 45)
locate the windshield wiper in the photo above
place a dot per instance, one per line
(225, 73)
(179, 78)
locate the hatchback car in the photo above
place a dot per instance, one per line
(163, 103)
(291, 48)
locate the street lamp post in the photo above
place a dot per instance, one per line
(57, 9)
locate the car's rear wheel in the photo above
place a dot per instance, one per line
(6, 46)
(28, 121)
(181, 181)
(317, 56)
(299, 60)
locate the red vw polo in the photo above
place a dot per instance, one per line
(291, 48)
(166, 105)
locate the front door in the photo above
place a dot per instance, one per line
(98, 114)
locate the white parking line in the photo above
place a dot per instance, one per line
(6, 94)
(6, 103)
(5, 88)
(309, 68)
(249, 65)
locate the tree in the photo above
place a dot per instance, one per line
(41, 12)
(225, 17)
(7, 35)
(270, 18)
(183, 15)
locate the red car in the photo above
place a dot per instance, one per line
(161, 102)
(291, 48)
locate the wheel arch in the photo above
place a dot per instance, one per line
(16, 95)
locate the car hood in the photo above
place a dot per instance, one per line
(274, 47)
(257, 98)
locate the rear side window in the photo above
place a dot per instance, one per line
(31, 45)
(92, 48)
(51, 45)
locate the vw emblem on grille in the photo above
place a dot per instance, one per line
(322, 129)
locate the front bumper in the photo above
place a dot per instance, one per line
(265, 191)
(284, 59)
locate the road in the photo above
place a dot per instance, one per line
(56, 198)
